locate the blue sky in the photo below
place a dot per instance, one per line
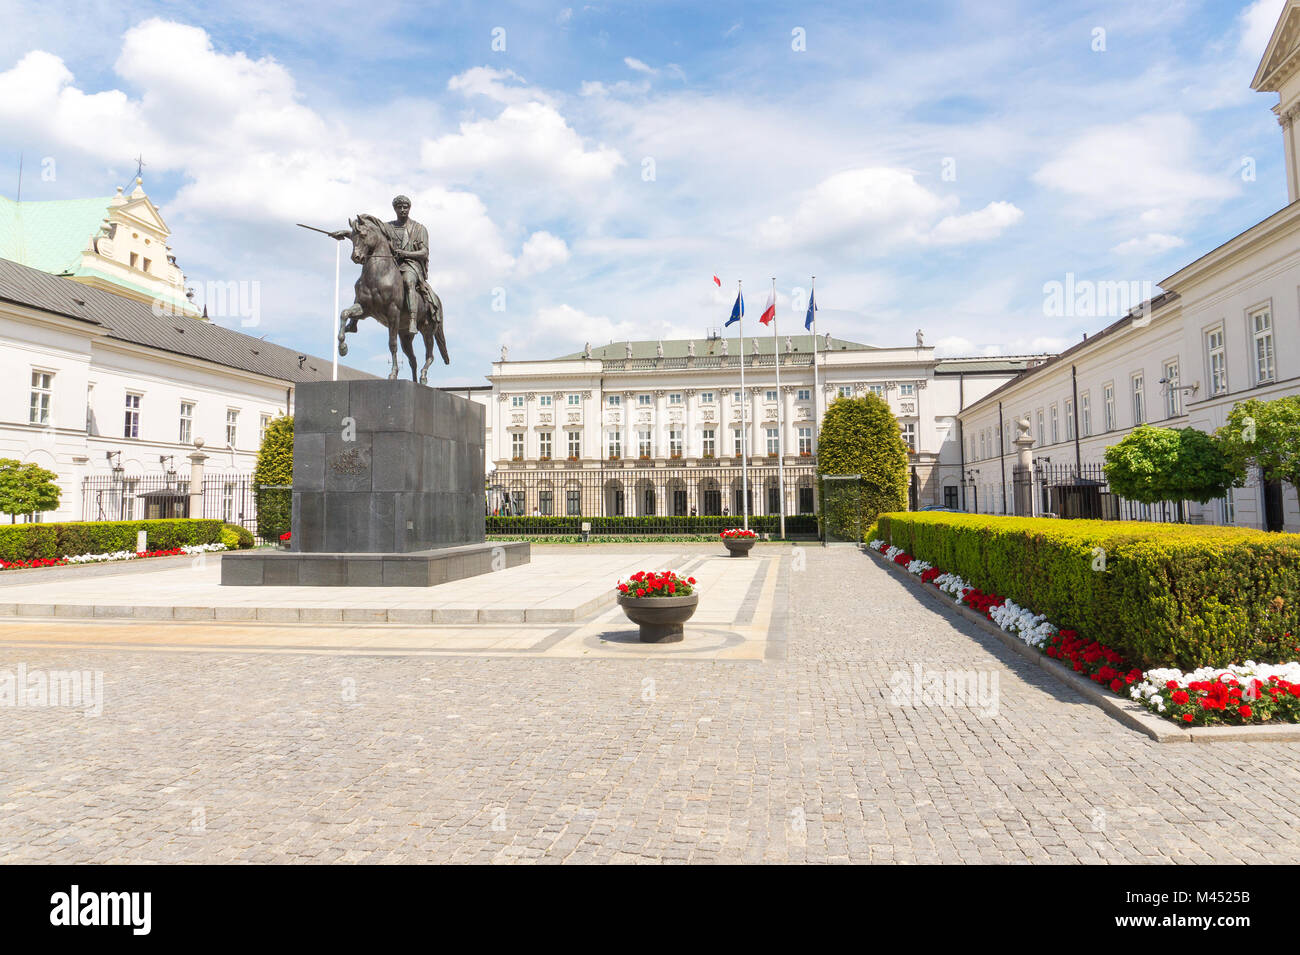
(934, 164)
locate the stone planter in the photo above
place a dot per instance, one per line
(660, 618)
(739, 546)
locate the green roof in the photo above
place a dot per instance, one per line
(704, 347)
(49, 236)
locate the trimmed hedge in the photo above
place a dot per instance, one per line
(635, 526)
(52, 541)
(1161, 594)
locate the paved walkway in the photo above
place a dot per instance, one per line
(319, 756)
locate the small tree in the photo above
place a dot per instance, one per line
(1168, 464)
(1266, 435)
(861, 436)
(26, 488)
(272, 474)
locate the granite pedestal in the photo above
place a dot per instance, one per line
(388, 490)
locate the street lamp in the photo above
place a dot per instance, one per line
(972, 475)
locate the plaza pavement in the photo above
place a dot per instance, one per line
(325, 751)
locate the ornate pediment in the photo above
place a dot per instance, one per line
(1282, 55)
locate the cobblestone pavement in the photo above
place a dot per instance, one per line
(214, 757)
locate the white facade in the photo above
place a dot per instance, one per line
(679, 404)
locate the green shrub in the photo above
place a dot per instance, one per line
(1162, 594)
(709, 525)
(860, 436)
(272, 475)
(31, 541)
(236, 536)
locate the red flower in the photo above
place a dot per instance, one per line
(1180, 696)
(1245, 711)
(1187, 717)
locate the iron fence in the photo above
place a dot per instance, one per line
(1080, 492)
(225, 497)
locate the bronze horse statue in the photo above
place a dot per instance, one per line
(380, 294)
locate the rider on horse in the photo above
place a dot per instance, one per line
(411, 248)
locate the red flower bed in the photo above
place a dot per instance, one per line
(1096, 661)
(737, 532)
(37, 562)
(663, 583)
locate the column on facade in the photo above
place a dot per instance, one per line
(658, 432)
(688, 426)
(629, 425)
(757, 433)
(789, 430)
(532, 442)
(723, 434)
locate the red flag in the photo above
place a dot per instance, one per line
(717, 281)
(769, 312)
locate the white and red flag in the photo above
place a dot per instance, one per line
(717, 281)
(769, 311)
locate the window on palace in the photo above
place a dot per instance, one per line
(1227, 509)
(707, 442)
(1173, 397)
(644, 447)
(573, 503)
(909, 434)
(614, 444)
(1042, 434)
(735, 396)
(575, 400)
(614, 400)
(950, 496)
(846, 391)
(803, 394)
(1261, 325)
(679, 502)
(131, 426)
(42, 395)
(737, 442)
(1069, 419)
(907, 390)
(1108, 406)
(516, 401)
(1056, 425)
(769, 395)
(545, 443)
(263, 422)
(546, 503)
(1217, 360)
(643, 399)
(544, 400)
(675, 443)
(675, 398)
(1085, 413)
(983, 447)
(1139, 401)
(773, 443)
(232, 426)
(187, 422)
(877, 390)
(228, 502)
(805, 441)
(517, 445)
(575, 444)
(706, 397)
(805, 500)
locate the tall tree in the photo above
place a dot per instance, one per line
(26, 489)
(860, 436)
(272, 476)
(1265, 435)
(1153, 464)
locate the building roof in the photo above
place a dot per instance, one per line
(706, 347)
(127, 320)
(49, 236)
(987, 364)
(1151, 306)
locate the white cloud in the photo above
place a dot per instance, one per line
(558, 329)
(1146, 167)
(502, 86)
(1153, 243)
(540, 252)
(979, 226)
(639, 66)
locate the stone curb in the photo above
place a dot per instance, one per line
(108, 568)
(1131, 714)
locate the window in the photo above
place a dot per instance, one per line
(805, 500)
(573, 503)
(1042, 433)
(679, 502)
(846, 391)
(643, 444)
(614, 445)
(738, 442)
(1227, 509)
(232, 426)
(648, 502)
(614, 400)
(803, 394)
(769, 395)
(805, 442)
(131, 427)
(1139, 401)
(877, 390)
(187, 423)
(1085, 413)
(135, 258)
(773, 443)
(707, 440)
(773, 499)
(545, 443)
(735, 396)
(1108, 406)
(907, 390)
(909, 434)
(575, 444)
(950, 495)
(643, 399)
(516, 401)
(546, 502)
(1217, 360)
(228, 502)
(544, 400)
(1069, 419)
(517, 445)
(675, 443)
(983, 447)
(42, 393)
(1261, 326)
(128, 499)
(706, 397)
(1056, 425)
(675, 398)
(263, 423)
(575, 401)
(1173, 397)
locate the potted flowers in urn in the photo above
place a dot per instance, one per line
(659, 602)
(738, 541)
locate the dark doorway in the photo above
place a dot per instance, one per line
(1274, 518)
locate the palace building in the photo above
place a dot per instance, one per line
(645, 428)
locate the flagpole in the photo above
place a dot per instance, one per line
(817, 391)
(338, 252)
(780, 418)
(744, 428)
